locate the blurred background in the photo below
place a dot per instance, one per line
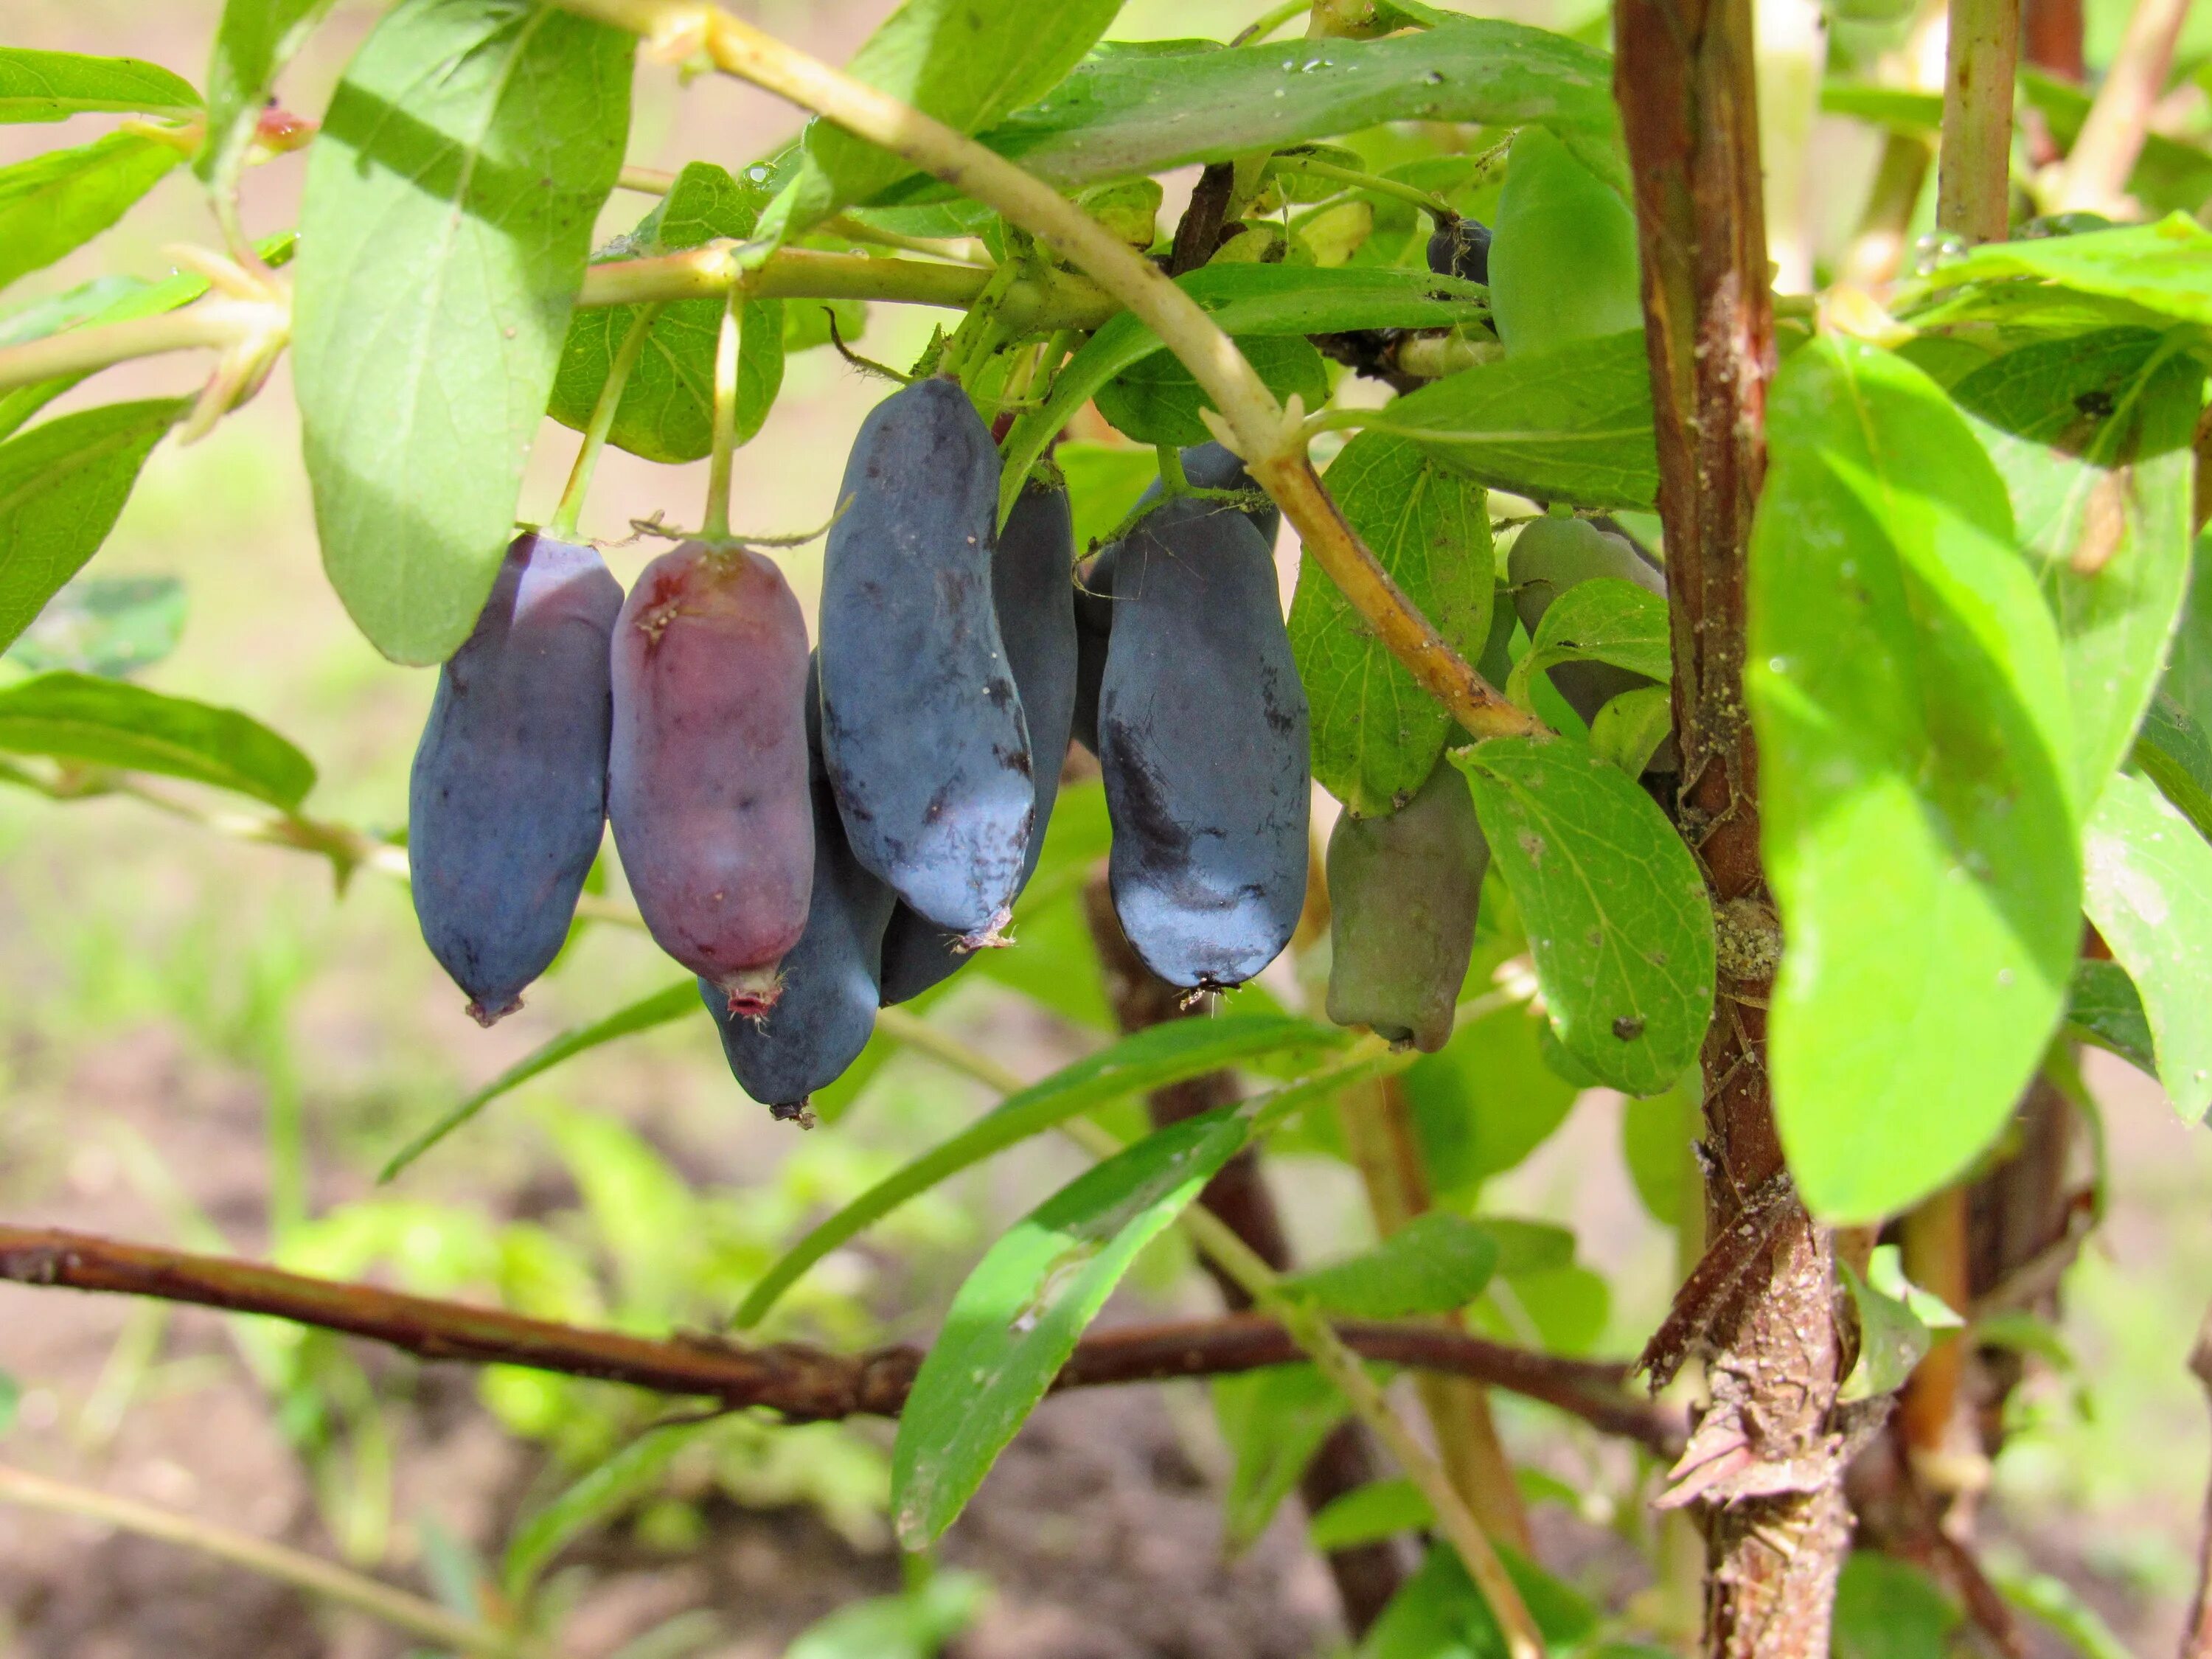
(202, 1042)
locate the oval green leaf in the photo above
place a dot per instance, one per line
(443, 236)
(1375, 733)
(58, 202)
(1436, 1263)
(90, 721)
(1617, 916)
(62, 486)
(52, 86)
(1906, 681)
(1572, 424)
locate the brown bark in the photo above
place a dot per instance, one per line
(1765, 1458)
(799, 1382)
(1366, 1576)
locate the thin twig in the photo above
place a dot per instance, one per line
(2196, 1641)
(798, 1381)
(1973, 171)
(425, 1621)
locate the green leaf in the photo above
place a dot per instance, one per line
(96, 722)
(1375, 733)
(659, 1009)
(2092, 437)
(254, 41)
(1157, 399)
(1656, 1134)
(1571, 424)
(1263, 299)
(1370, 1514)
(1125, 113)
(915, 1624)
(610, 1487)
(1561, 1309)
(1617, 916)
(1905, 682)
(1104, 483)
(1897, 1324)
(965, 62)
(1436, 1263)
(2165, 268)
(62, 486)
(1274, 1421)
(56, 203)
(1527, 1247)
(1605, 619)
(1630, 728)
(52, 86)
(1142, 1062)
(2175, 753)
(1018, 1315)
(2104, 1006)
(667, 408)
(2147, 883)
(1485, 1100)
(1886, 1609)
(112, 626)
(443, 236)
(1438, 1614)
(2045, 1596)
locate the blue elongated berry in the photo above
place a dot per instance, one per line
(507, 799)
(1202, 741)
(922, 727)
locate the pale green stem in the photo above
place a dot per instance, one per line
(1269, 20)
(571, 509)
(424, 1621)
(962, 250)
(646, 181)
(1435, 206)
(1973, 171)
(716, 527)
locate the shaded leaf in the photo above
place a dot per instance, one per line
(915, 1624)
(1886, 1609)
(110, 626)
(62, 486)
(1156, 400)
(1571, 424)
(2092, 437)
(2165, 268)
(98, 722)
(1125, 112)
(1369, 1514)
(1274, 1421)
(2103, 1005)
(1485, 1100)
(1376, 734)
(1604, 619)
(1438, 1614)
(55, 203)
(2175, 752)
(1617, 913)
(443, 236)
(610, 1487)
(1140, 1062)
(667, 408)
(965, 62)
(51, 86)
(1243, 299)
(1894, 1324)
(2147, 883)
(1018, 1315)
(1437, 1262)
(1907, 686)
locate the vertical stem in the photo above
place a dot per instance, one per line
(717, 526)
(1763, 1459)
(2050, 38)
(2105, 152)
(1973, 175)
(1934, 1248)
(1379, 1135)
(571, 509)
(2196, 1640)
(1877, 252)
